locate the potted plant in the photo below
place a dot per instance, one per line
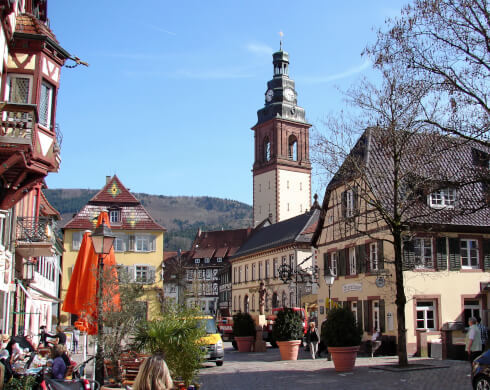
(244, 331)
(342, 335)
(287, 331)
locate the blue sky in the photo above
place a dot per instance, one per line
(173, 87)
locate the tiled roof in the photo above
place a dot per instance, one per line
(173, 267)
(221, 252)
(202, 253)
(29, 24)
(114, 195)
(289, 231)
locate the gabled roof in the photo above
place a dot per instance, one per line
(290, 231)
(46, 209)
(114, 196)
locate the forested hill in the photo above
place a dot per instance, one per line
(180, 215)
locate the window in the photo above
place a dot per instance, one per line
(261, 273)
(45, 104)
(190, 274)
(333, 264)
(246, 273)
(219, 259)
(267, 149)
(422, 248)
(352, 261)
(373, 256)
(234, 304)
(115, 216)
(206, 260)
(291, 262)
(142, 243)
(469, 254)
(267, 269)
(120, 243)
(76, 240)
(283, 300)
(376, 316)
(197, 261)
(471, 309)
(208, 274)
(235, 280)
(426, 315)
(253, 302)
(291, 299)
(274, 268)
(293, 148)
(444, 197)
(240, 274)
(349, 203)
(353, 308)
(19, 89)
(253, 271)
(142, 273)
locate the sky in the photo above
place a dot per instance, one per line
(173, 87)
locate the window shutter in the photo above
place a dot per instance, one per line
(347, 261)
(370, 316)
(344, 203)
(454, 254)
(341, 265)
(381, 255)
(366, 315)
(368, 258)
(359, 314)
(326, 262)
(153, 243)
(130, 273)
(361, 259)
(355, 200)
(408, 255)
(151, 274)
(382, 315)
(441, 254)
(486, 255)
(131, 241)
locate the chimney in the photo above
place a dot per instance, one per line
(107, 179)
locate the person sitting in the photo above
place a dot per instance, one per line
(59, 367)
(5, 360)
(153, 375)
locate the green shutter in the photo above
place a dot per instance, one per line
(366, 315)
(408, 255)
(359, 313)
(381, 258)
(486, 255)
(441, 253)
(382, 315)
(326, 262)
(344, 203)
(454, 254)
(341, 265)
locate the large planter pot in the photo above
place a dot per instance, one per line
(289, 349)
(244, 343)
(344, 358)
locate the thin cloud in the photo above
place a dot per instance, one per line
(259, 48)
(159, 29)
(213, 74)
(338, 76)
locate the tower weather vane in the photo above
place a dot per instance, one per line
(281, 34)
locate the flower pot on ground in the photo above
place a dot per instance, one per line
(287, 331)
(244, 331)
(342, 335)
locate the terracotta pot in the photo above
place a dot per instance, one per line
(344, 358)
(289, 349)
(244, 343)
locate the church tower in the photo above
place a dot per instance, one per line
(282, 168)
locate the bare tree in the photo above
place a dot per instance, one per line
(446, 45)
(391, 159)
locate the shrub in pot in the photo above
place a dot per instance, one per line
(243, 331)
(342, 335)
(287, 331)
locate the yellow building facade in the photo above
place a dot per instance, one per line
(138, 245)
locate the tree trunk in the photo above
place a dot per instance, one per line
(400, 301)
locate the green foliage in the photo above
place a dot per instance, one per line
(243, 325)
(340, 329)
(178, 335)
(288, 326)
(22, 383)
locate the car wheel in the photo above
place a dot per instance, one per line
(219, 363)
(483, 383)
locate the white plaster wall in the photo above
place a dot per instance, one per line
(264, 196)
(294, 193)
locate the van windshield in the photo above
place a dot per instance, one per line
(209, 325)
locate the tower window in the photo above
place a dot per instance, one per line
(293, 148)
(45, 104)
(267, 149)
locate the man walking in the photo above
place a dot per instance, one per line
(473, 340)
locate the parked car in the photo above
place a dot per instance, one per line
(480, 372)
(212, 341)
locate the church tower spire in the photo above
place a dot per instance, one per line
(282, 168)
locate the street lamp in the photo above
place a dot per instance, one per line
(329, 279)
(102, 241)
(29, 269)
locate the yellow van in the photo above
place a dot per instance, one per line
(212, 341)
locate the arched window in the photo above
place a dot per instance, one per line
(293, 148)
(246, 303)
(253, 302)
(267, 149)
(284, 299)
(275, 300)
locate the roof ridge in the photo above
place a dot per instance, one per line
(114, 188)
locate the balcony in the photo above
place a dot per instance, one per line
(18, 122)
(35, 236)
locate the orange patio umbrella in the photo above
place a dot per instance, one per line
(81, 297)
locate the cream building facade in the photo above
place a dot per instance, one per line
(138, 245)
(446, 257)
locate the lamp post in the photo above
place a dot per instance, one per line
(102, 241)
(329, 279)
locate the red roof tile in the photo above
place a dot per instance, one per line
(29, 24)
(221, 252)
(203, 252)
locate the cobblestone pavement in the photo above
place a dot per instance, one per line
(259, 371)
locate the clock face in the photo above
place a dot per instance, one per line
(289, 94)
(269, 94)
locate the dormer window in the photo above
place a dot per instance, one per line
(197, 261)
(219, 259)
(115, 216)
(442, 198)
(206, 260)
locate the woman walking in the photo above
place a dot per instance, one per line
(312, 339)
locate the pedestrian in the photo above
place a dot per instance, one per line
(483, 333)
(59, 366)
(153, 375)
(43, 336)
(60, 335)
(375, 342)
(473, 340)
(312, 339)
(76, 337)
